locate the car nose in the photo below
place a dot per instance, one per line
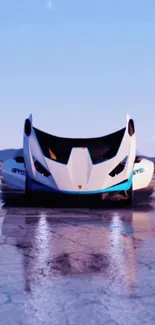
(79, 167)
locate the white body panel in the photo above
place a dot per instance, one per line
(143, 174)
(14, 174)
(79, 175)
(142, 177)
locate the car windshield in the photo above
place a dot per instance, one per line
(59, 149)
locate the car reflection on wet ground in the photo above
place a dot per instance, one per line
(77, 266)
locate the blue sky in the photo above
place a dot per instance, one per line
(79, 66)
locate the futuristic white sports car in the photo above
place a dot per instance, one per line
(101, 166)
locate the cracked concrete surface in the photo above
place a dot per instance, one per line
(77, 266)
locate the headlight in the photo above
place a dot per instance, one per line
(41, 169)
(119, 168)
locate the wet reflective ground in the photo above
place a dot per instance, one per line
(77, 266)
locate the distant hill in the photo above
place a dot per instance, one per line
(149, 158)
(10, 153)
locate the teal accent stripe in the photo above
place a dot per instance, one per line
(116, 188)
